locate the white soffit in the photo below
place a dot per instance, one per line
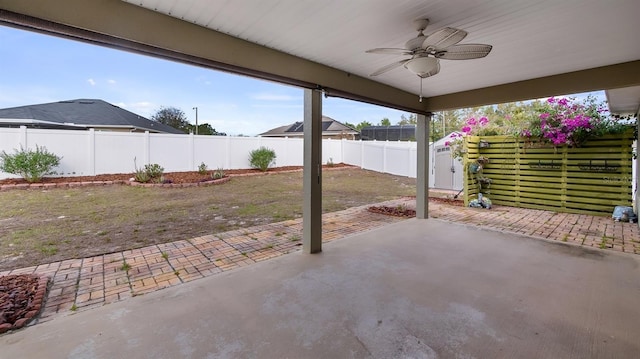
(530, 38)
(624, 100)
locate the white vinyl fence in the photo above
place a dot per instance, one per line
(86, 153)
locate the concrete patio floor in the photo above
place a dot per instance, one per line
(412, 289)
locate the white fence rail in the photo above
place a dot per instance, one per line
(86, 153)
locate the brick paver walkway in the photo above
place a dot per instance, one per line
(81, 284)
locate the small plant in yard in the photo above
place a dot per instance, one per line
(74, 307)
(262, 158)
(165, 255)
(31, 165)
(202, 168)
(125, 266)
(141, 176)
(151, 172)
(154, 171)
(330, 162)
(218, 174)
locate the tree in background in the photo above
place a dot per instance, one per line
(443, 123)
(348, 124)
(205, 129)
(177, 119)
(362, 125)
(511, 114)
(173, 117)
(385, 122)
(411, 120)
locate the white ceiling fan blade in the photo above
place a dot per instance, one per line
(389, 67)
(464, 52)
(393, 51)
(444, 38)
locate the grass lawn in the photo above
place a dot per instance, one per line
(41, 226)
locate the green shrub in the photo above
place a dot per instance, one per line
(202, 169)
(151, 172)
(31, 165)
(141, 176)
(154, 171)
(219, 173)
(262, 158)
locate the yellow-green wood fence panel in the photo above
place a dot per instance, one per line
(590, 179)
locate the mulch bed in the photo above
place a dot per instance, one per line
(403, 211)
(188, 178)
(397, 211)
(21, 300)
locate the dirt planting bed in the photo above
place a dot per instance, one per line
(189, 177)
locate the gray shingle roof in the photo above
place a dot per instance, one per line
(329, 127)
(83, 113)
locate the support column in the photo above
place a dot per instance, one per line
(422, 175)
(637, 173)
(312, 173)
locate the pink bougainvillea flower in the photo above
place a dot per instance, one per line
(563, 102)
(544, 116)
(472, 122)
(551, 100)
(447, 143)
(466, 129)
(483, 121)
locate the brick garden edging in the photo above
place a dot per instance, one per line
(106, 183)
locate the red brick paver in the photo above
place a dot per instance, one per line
(81, 284)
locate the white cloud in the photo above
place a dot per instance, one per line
(91, 82)
(111, 82)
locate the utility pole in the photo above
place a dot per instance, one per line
(195, 108)
(444, 124)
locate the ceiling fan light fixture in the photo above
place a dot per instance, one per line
(422, 66)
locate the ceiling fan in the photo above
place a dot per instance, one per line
(426, 51)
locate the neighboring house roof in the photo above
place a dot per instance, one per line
(389, 133)
(79, 114)
(330, 127)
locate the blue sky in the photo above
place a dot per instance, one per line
(39, 68)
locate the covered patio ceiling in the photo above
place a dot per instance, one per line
(540, 47)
